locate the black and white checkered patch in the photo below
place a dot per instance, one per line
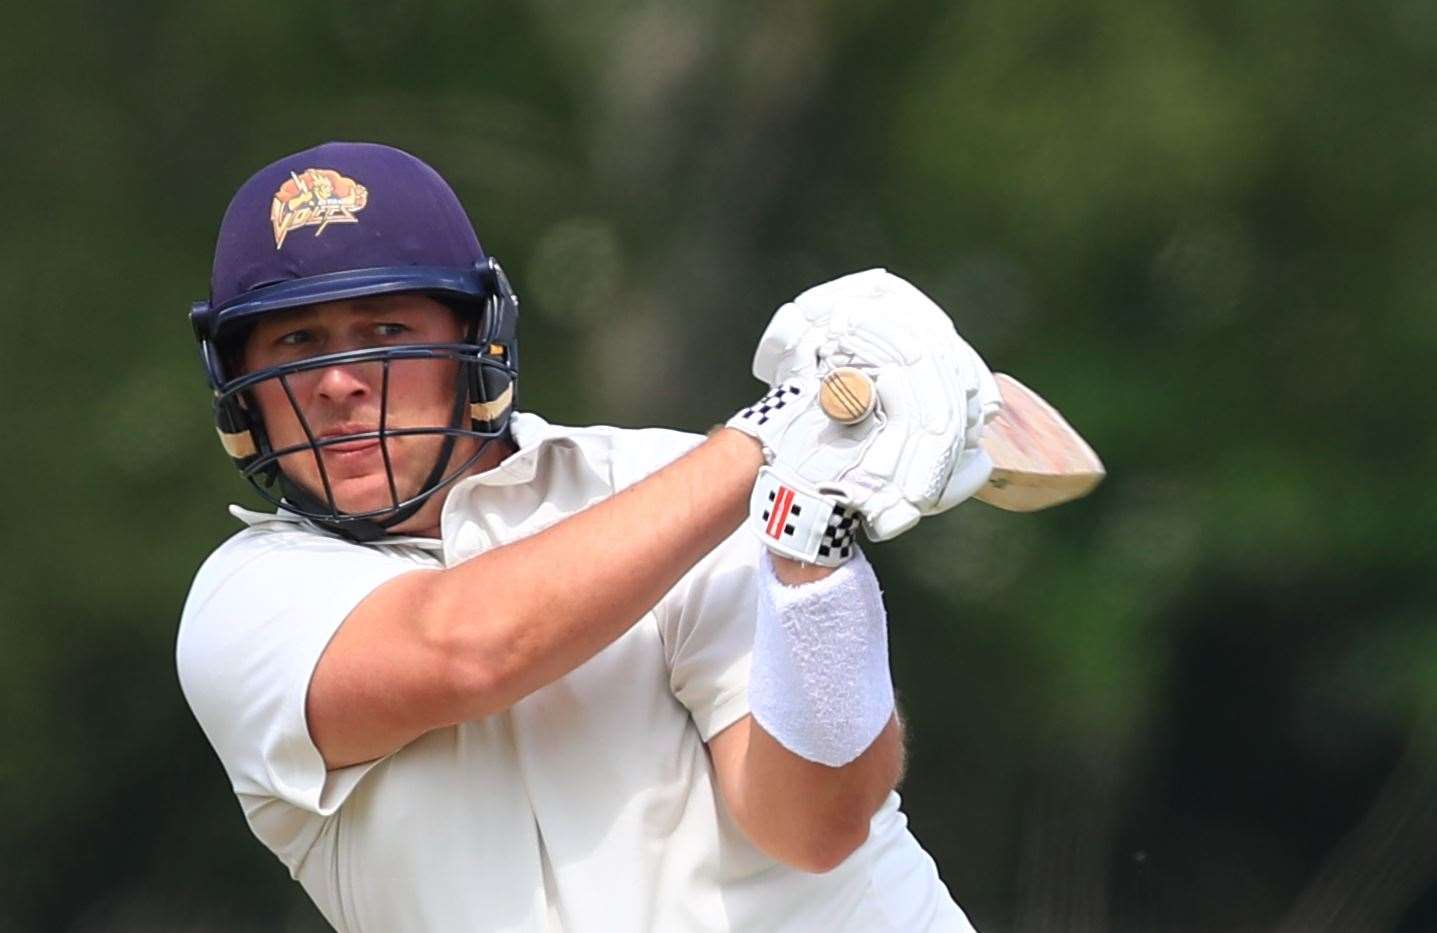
(838, 536)
(777, 398)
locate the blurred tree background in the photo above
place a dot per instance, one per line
(1199, 700)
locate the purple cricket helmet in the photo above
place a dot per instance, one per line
(340, 221)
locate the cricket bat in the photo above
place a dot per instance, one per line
(1039, 460)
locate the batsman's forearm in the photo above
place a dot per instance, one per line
(808, 815)
(575, 587)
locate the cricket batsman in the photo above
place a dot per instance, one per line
(479, 672)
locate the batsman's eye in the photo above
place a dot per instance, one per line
(390, 329)
(294, 338)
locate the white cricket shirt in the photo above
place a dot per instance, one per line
(589, 806)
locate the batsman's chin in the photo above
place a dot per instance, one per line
(351, 489)
(369, 492)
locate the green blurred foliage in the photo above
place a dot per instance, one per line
(1200, 699)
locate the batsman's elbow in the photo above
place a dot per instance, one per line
(820, 850)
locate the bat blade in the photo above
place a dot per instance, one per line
(1039, 461)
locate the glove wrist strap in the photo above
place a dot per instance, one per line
(797, 520)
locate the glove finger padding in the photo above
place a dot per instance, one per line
(927, 406)
(788, 346)
(878, 294)
(967, 478)
(886, 514)
(907, 469)
(990, 398)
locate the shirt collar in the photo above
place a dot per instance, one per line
(531, 435)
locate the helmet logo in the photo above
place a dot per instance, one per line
(316, 197)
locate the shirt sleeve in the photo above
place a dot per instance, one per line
(707, 624)
(259, 615)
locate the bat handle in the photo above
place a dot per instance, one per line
(847, 395)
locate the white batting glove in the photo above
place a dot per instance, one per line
(918, 454)
(793, 515)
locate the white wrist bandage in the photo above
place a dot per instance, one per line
(819, 683)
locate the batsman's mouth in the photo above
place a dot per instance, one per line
(330, 445)
(350, 458)
(353, 459)
(348, 447)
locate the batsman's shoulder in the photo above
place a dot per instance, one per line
(265, 533)
(272, 546)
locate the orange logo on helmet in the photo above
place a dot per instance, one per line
(316, 197)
